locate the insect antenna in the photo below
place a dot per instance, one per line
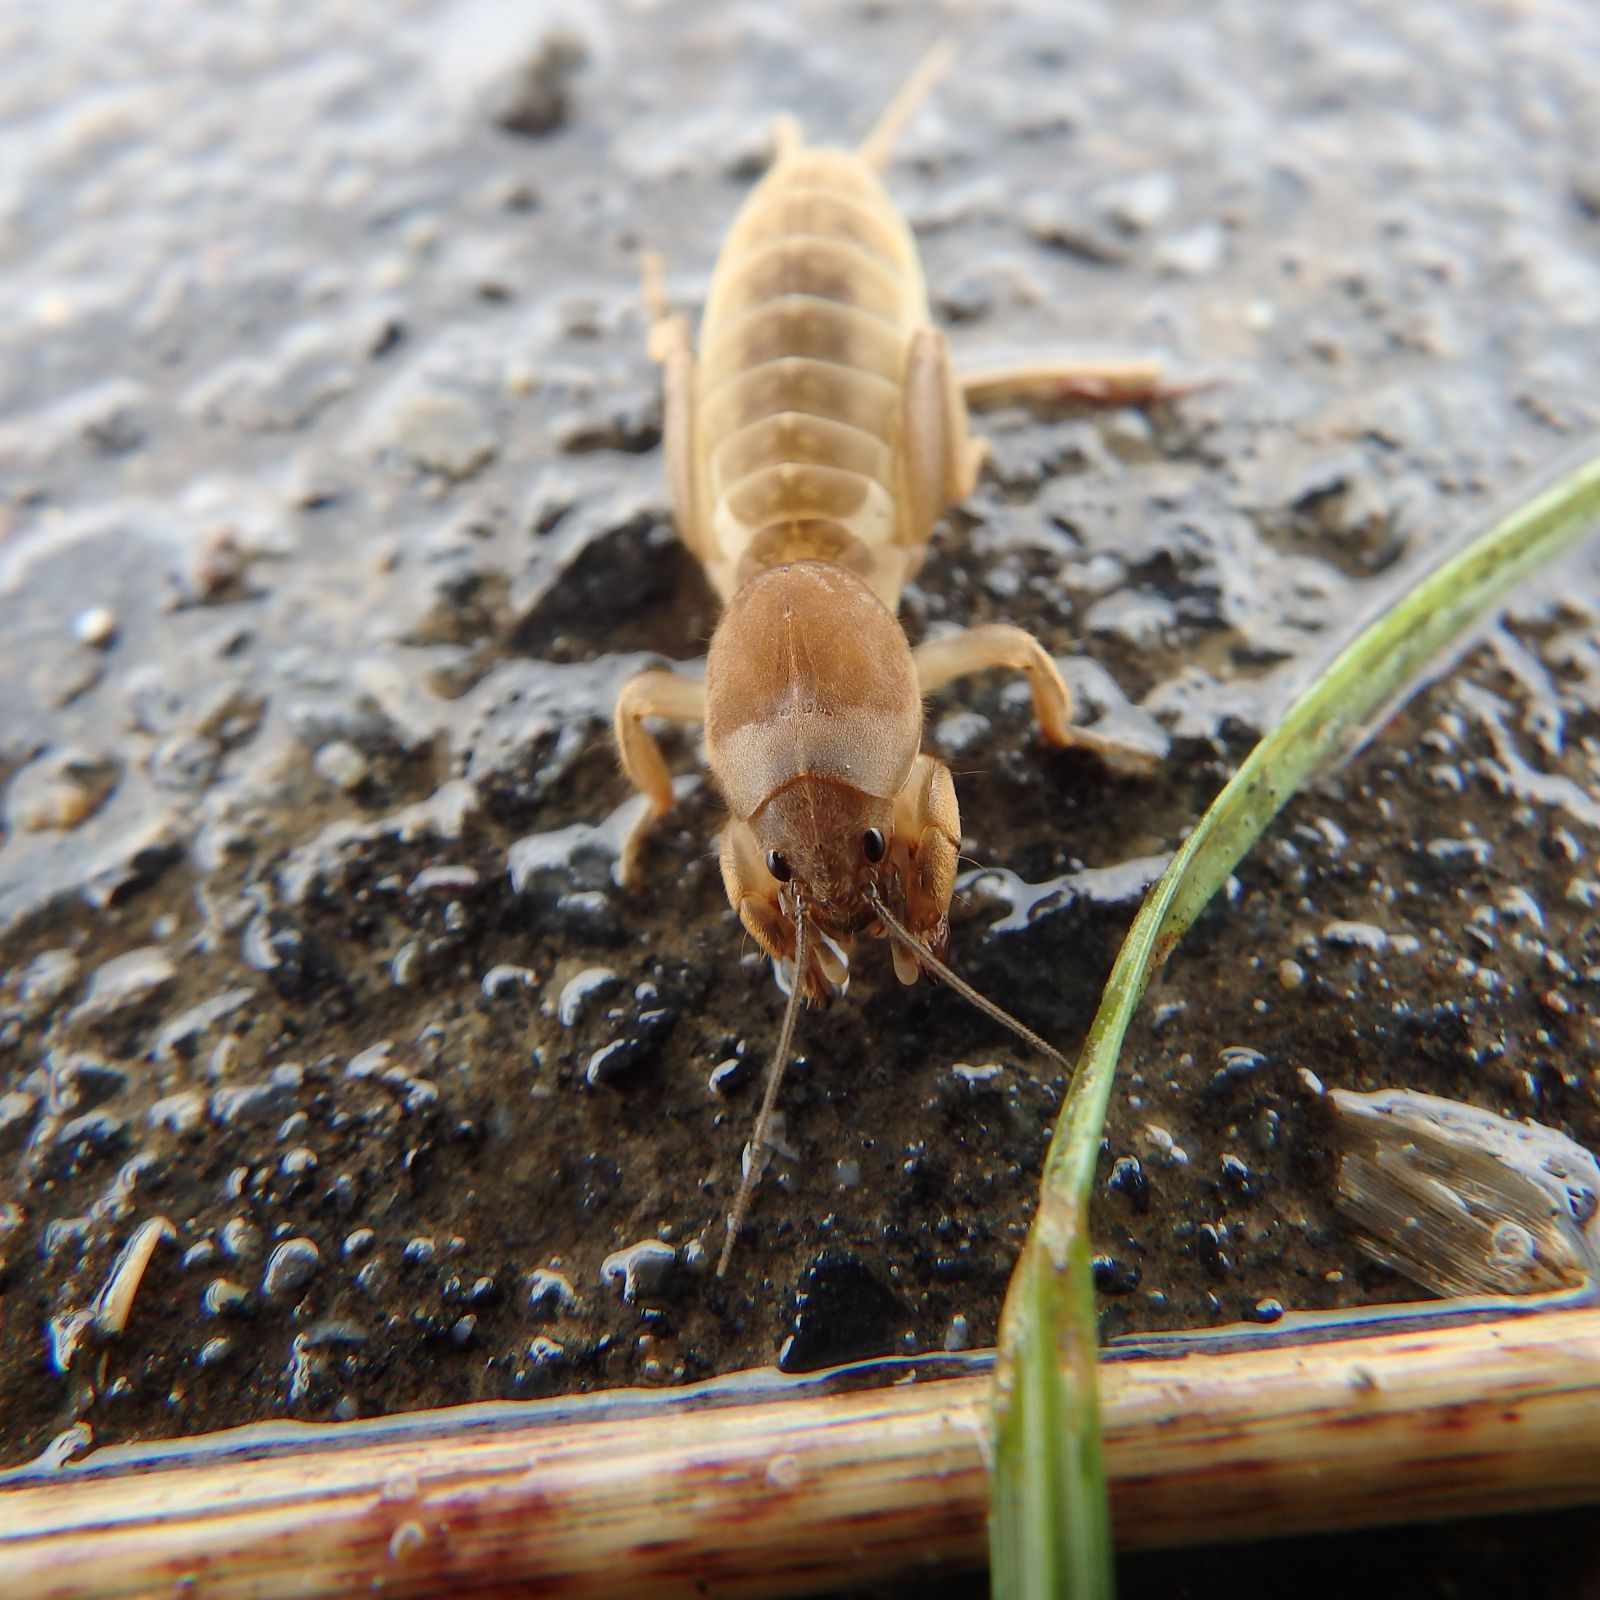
(758, 1151)
(987, 1006)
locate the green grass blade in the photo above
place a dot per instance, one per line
(1049, 1523)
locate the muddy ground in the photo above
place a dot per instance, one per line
(332, 516)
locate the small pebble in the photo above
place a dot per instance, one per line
(44, 980)
(1238, 1061)
(177, 1113)
(18, 1112)
(341, 765)
(446, 876)
(533, 95)
(406, 968)
(1128, 1179)
(506, 979)
(544, 1351)
(214, 1352)
(639, 1269)
(289, 1268)
(298, 1163)
(980, 1077)
(1138, 204)
(127, 981)
(1194, 253)
(200, 1254)
(241, 1240)
(224, 1298)
(1208, 1246)
(1236, 1175)
(1115, 1277)
(577, 992)
(96, 627)
(550, 1295)
(616, 1060)
(1164, 1150)
(728, 1076)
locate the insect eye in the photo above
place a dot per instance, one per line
(778, 866)
(874, 844)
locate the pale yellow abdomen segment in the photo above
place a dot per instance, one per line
(799, 402)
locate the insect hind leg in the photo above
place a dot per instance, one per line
(669, 343)
(1113, 381)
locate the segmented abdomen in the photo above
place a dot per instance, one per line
(800, 378)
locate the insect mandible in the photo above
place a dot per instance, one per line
(811, 446)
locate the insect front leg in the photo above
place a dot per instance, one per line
(1000, 645)
(651, 694)
(925, 848)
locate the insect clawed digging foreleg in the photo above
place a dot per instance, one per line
(759, 1150)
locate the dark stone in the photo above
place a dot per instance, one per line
(295, 964)
(1128, 1179)
(1112, 1276)
(96, 1134)
(536, 97)
(1237, 1176)
(843, 1312)
(1208, 1246)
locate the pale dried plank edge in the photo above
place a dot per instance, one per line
(783, 1495)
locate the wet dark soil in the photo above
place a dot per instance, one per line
(331, 518)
